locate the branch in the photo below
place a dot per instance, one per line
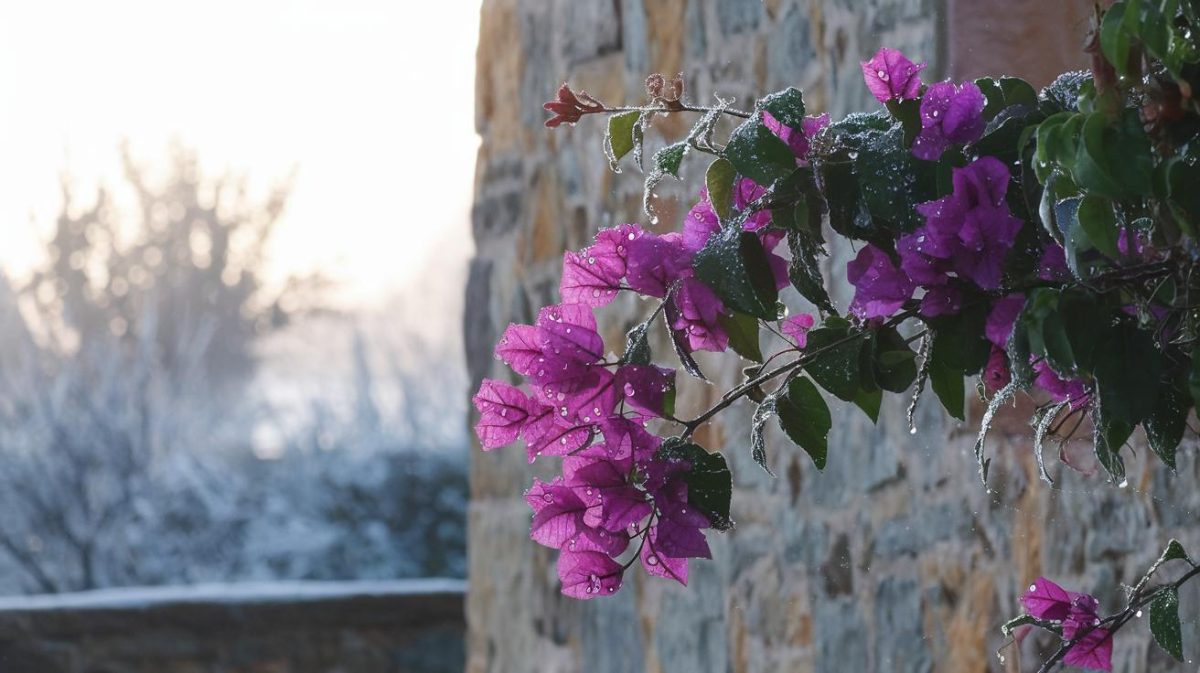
(805, 358)
(1114, 622)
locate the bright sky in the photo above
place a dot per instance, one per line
(371, 100)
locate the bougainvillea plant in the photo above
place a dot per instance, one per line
(1039, 242)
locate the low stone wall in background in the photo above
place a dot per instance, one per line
(295, 627)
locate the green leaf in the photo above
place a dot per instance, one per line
(1167, 422)
(963, 344)
(944, 377)
(786, 106)
(1164, 621)
(894, 363)
(743, 334)
(679, 342)
(734, 264)
(1018, 92)
(1108, 436)
(892, 181)
(992, 94)
(1182, 179)
(836, 369)
(870, 401)
(1173, 552)
(710, 484)
(805, 419)
(758, 154)
(1084, 322)
(637, 345)
(1114, 160)
(1003, 134)
(1098, 221)
(1062, 95)
(1127, 373)
(804, 270)
(623, 134)
(668, 159)
(908, 113)
(1114, 39)
(719, 182)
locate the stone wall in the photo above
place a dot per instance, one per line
(893, 559)
(350, 627)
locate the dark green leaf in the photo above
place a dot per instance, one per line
(680, 343)
(804, 270)
(1182, 179)
(719, 182)
(667, 159)
(1164, 622)
(1018, 92)
(1113, 160)
(908, 113)
(963, 345)
(710, 484)
(1108, 437)
(1084, 322)
(1127, 373)
(895, 365)
(743, 334)
(1002, 136)
(1114, 39)
(992, 94)
(734, 264)
(1062, 95)
(869, 401)
(945, 378)
(892, 181)
(805, 418)
(1166, 423)
(637, 345)
(1175, 551)
(1098, 221)
(786, 106)
(758, 154)
(836, 368)
(623, 134)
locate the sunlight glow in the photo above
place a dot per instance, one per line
(371, 102)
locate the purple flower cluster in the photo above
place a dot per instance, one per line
(950, 114)
(965, 239)
(1077, 613)
(613, 488)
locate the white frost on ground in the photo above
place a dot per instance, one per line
(239, 592)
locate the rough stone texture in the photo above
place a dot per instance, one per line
(893, 559)
(413, 633)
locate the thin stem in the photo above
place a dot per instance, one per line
(805, 358)
(678, 107)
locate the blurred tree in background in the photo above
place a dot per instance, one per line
(129, 402)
